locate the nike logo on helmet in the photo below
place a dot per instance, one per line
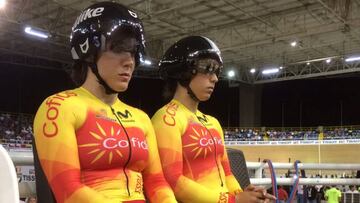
(89, 13)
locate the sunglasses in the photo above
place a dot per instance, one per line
(208, 66)
(130, 45)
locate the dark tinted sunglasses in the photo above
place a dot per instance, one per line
(124, 45)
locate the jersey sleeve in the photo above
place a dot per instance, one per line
(54, 131)
(168, 130)
(231, 182)
(156, 188)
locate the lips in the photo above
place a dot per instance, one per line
(124, 76)
(210, 89)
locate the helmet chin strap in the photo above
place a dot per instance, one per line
(192, 94)
(101, 81)
(186, 84)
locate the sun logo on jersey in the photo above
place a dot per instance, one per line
(107, 139)
(104, 143)
(199, 141)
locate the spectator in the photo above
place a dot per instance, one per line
(300, 194)
(321, 193)
(352, 189)
(333, 195)
(311, 194)
(283, 195)
(31, 200)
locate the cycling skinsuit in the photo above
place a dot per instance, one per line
(193, 155)
(89, 155)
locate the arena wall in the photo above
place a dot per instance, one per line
(305, 153)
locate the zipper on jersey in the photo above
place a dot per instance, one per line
(130, 150)
(215, 143)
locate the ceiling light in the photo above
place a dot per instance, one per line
(147, 62)
(352, 59)
(293, 44)
(2, 4)
(328, 60)
(231, 73)
(270, 71)
(36, 33)
(253, 70)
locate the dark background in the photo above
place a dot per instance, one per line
(307, 102)
(312, 102)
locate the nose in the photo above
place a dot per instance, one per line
(214, 78)
(129, 64)
(128, 61)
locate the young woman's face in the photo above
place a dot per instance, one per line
(116, 69)
(203, 83)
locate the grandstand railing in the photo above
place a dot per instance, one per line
(347, 197)
(26, 158)
(309, 128)
(291, 142)
(307, 181)
(275, 134)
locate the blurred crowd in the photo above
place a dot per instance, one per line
(16, 129)
(318, 193)
(321, 193)
(276, 135)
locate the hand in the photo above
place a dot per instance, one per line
(261, 191)
(250, 197)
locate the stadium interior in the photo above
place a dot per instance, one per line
(287, 92)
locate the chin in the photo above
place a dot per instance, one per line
(121, 88)
(204, 98)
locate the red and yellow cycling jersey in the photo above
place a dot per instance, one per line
(95, 153)
(193, 155)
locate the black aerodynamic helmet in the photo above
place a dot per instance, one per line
(182, 55)
(105, 21)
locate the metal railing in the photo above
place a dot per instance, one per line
(26, 158)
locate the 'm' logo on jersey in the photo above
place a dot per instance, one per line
(125, 114)
(202, 118)
(199, 142)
